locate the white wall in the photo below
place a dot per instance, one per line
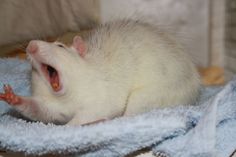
(26, 19)
(188, 19)
(217, 33)
(230, 42)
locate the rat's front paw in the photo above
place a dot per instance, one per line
(9, 96)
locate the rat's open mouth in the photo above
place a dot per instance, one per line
(52, 76)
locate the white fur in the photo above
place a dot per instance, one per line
(129, 68)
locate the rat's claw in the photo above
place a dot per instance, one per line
(7, 89)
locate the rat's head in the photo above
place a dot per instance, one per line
(55, 62)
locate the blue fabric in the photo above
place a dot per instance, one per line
(207, 129)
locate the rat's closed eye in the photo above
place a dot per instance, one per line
(60, 45)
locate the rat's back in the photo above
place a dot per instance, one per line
(144, 63)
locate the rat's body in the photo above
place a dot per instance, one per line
(121, 68)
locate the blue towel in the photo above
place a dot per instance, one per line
(206, 129)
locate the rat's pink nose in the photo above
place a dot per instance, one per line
(32, 47)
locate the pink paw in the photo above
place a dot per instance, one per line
(9, 96)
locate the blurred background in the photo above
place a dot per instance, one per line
(206, 28)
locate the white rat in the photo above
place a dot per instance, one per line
(120, 68)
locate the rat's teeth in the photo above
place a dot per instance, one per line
(55, 85)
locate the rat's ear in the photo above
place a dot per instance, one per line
(79, 45)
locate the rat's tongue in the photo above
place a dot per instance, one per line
(54, 81)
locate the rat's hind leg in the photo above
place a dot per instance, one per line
(142, 100)
(83, 118)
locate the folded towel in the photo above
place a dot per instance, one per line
(205, 129)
